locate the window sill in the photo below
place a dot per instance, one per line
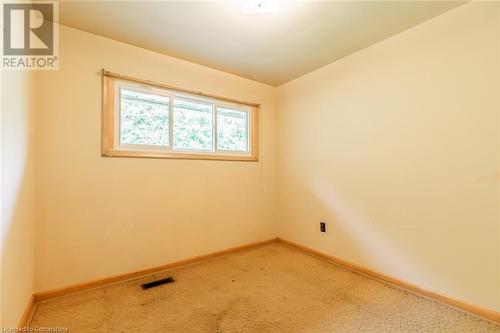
(180, 155)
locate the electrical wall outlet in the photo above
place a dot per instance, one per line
(322, 226)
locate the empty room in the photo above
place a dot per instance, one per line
(250, 166)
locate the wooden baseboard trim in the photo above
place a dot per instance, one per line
(50, 294)
(28, 313)
(483, 313)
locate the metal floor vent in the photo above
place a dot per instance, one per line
(157, 283)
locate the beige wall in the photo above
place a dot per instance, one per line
(397, 148)
(105, 216)
(17, 195)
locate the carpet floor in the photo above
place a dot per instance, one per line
(272, 288)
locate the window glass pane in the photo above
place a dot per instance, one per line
(193, 125)
(143, 118)
(232, 129)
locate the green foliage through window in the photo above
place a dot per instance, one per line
(145, 120)
(232, 129)
(193, 125)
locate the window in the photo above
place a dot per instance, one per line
(143, 118)
(149, 119)
(232, 129)
(193, 125)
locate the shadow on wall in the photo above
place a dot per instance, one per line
(18, 190)
(367, 245)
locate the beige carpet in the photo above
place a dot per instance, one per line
(268, 289)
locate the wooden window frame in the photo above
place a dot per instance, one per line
(110, 142)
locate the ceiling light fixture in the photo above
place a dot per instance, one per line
(259, 6)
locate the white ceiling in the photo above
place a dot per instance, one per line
(272, 48)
